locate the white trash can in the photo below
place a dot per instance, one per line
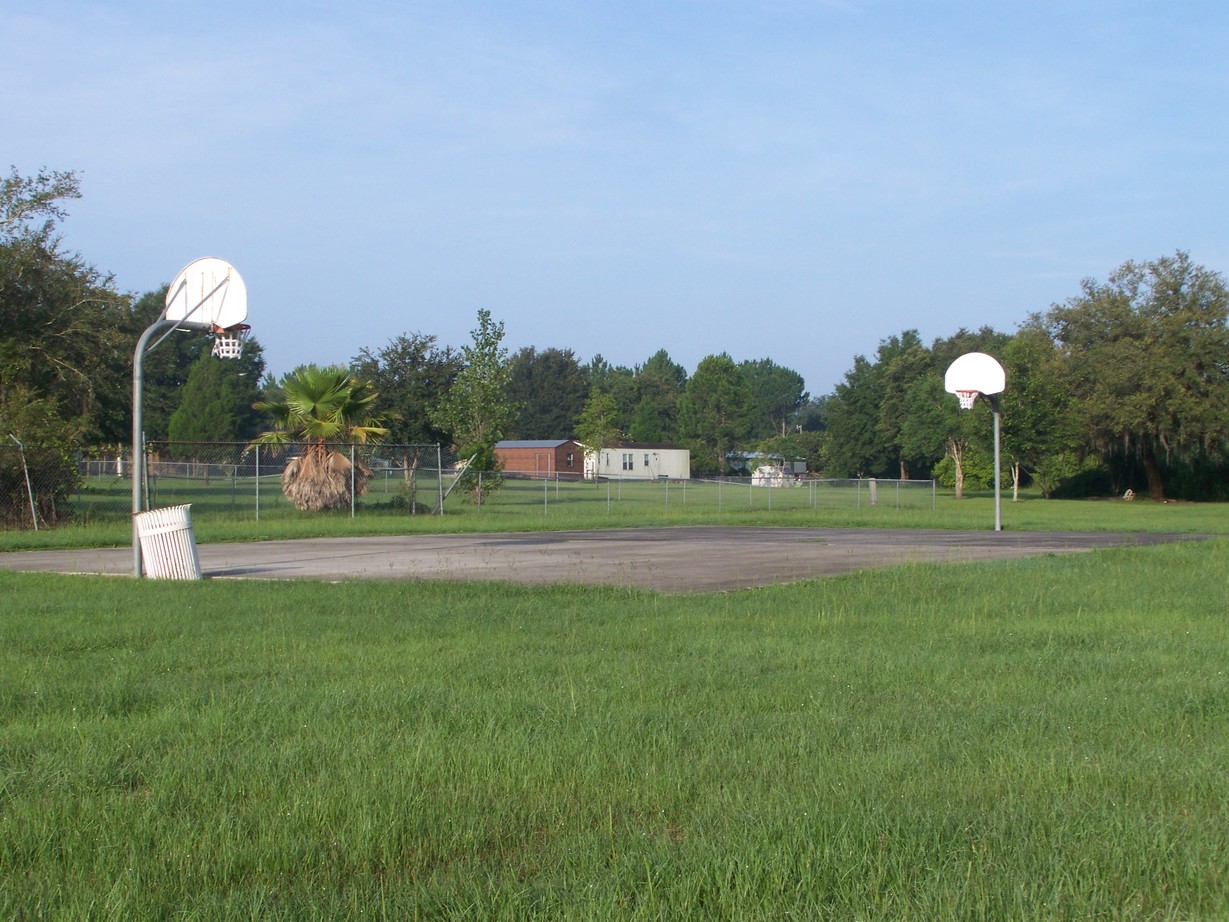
(168, 547)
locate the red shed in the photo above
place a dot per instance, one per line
(541, 457)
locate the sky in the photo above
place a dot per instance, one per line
(795, 180)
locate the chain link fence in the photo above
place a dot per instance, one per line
(44, 488)
(238, 480)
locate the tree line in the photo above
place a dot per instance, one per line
(1123, 386)
(1126, 384)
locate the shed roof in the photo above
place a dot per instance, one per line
(532, 443)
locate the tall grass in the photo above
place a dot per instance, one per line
(1031, 739)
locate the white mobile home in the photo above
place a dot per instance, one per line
(639, 461)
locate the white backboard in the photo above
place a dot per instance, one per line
(975, 371)
(209, 291)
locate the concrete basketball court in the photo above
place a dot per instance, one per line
(672, 560)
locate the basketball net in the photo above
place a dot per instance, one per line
(967, 398)
(228, 343)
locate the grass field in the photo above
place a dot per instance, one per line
(1039, 739)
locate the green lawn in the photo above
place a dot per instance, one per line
(1039, 739)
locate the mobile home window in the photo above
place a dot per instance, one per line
(628, 461)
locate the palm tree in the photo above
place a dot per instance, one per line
(321, 408)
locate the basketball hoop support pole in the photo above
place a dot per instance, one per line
(161, 325)
(998, 493)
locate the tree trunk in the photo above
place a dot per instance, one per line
(1156, 484)
(958, 460)
(904, 471)
(1015, 481)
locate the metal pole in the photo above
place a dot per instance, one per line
(439, 474)
(352, 480)
(138, 467)
(164, 327)
(257, 452)
(998, 496)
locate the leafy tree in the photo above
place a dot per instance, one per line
(855, 440)
(61, 320)
(935, 426)
(207, 411)
(812, 428)
(775, 394)
(713, 410)
(411, 374)
(598, 425)
(216, 403)
(1039, 429)
(658, 385)
(26, 198)
(48, 445)
(1143, 356)
(984, 339)
(322, 408)
(619, 382)
(868, 410)
(548, 390)
(476, 410)
(903, 362)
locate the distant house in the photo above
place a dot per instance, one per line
(541, 457)
(639, 461)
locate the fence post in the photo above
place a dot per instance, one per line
(257, 483)
(439, 474)
(145, 469)
(352, 480)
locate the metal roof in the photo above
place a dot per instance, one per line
(532, 443)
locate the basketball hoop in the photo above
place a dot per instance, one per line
(967, 398)
(228, 343)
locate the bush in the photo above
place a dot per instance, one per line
(46, 458)
(978, 471)
(1069, 476)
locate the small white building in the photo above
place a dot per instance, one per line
(638, 461)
